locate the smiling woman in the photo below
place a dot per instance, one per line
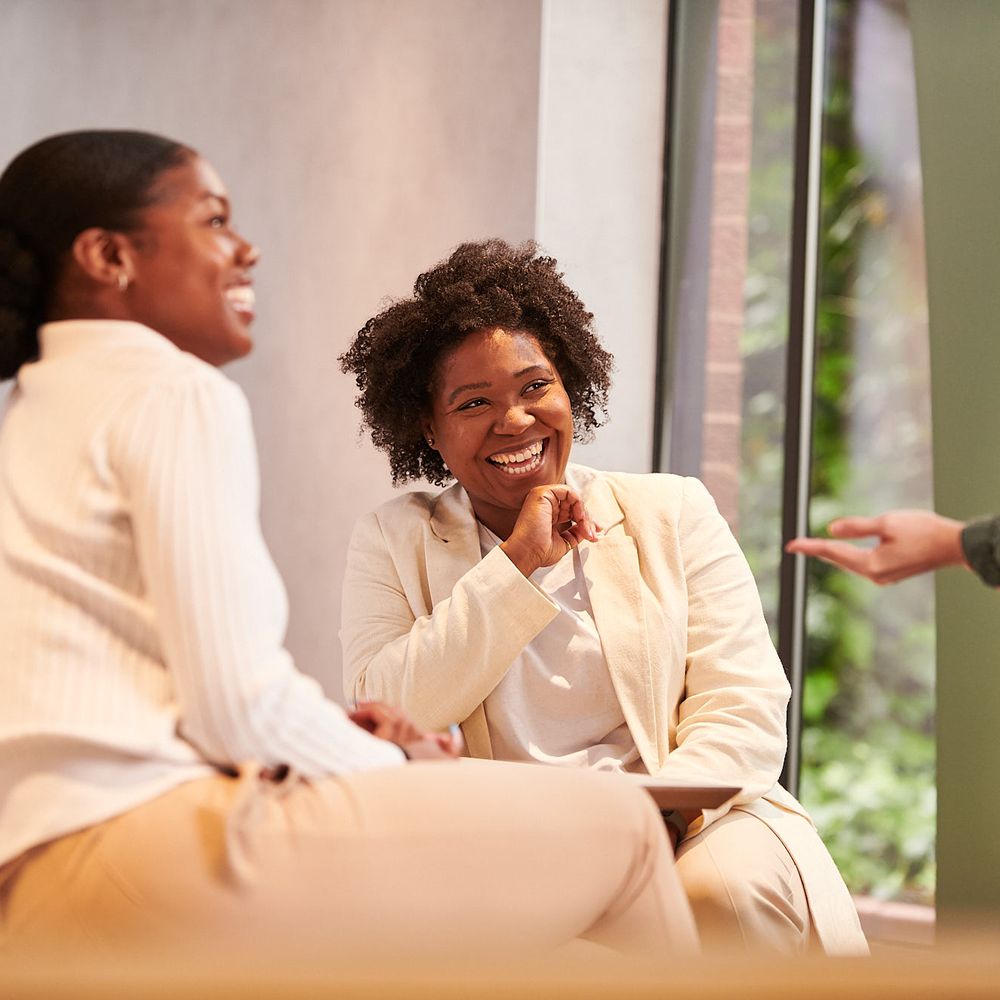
(563, 615)
(167, 776)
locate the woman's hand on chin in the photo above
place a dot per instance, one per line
(553, 520)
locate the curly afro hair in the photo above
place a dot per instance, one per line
(395, 355)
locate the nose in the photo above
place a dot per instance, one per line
(514, 420)
(247, 254)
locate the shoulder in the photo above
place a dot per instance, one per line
(187, 387)
(399, 522)
(190, 376)
(125, 365)
(182, 407)
(153, 374)
(414, 505)
(648, 495)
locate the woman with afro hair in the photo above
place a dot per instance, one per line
(567, 616)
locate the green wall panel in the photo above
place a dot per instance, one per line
(957, 58)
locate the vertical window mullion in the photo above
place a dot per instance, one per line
(806, 209)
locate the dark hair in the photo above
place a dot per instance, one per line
(395, 355)
(49, 194)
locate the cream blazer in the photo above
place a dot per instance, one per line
(431, 625)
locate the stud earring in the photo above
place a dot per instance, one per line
(430, 440)
(122, 281)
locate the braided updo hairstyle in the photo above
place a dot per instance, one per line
(395, 355)
(49, 194)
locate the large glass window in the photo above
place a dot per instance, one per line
(867, 749)
(868, 711)
(764, 333)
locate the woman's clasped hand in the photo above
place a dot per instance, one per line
(553, 520)
(392, 724)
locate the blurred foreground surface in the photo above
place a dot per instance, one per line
(963, 965)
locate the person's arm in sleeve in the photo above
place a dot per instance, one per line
(731, 725)
(441, 666)
(188, 465)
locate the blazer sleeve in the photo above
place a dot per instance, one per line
(187, 464)
(731, 720)
(438, 664)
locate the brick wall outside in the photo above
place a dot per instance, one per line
(721, 439)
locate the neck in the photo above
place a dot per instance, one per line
(72, 301)
(501, 522)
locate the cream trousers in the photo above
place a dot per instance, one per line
(744, 888)
(430, 860)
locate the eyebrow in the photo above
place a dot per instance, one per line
(209, 195)
(458, 390)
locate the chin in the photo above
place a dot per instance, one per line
(237, 342)
(221, 354)
(234, 356)
(243, 348)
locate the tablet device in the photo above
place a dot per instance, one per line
(673, 795)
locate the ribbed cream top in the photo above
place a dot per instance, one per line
(141, 616)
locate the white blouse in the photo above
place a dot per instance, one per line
(141, 616)
(556, 704)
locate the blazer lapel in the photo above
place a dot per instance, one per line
(615, 587)
(614, 584)
(452, 548)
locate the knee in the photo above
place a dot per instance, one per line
(738, 898)
(708, 889)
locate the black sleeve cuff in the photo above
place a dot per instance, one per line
(981, 545)
(673, 818)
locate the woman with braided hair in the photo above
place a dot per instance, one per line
(167, 776)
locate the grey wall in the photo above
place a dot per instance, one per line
(600, 181)
(361, 140)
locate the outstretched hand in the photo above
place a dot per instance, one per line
(393, 724)
(552, 522)
(908, 542)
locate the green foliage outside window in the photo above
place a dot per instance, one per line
(868, 751)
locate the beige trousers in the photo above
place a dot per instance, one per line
(744, 887)
(430, 860)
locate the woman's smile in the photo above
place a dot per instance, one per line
(242, 300)
(521, 461)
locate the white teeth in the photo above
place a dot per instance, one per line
(518, 456)
(510, 462)
(241, 297)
